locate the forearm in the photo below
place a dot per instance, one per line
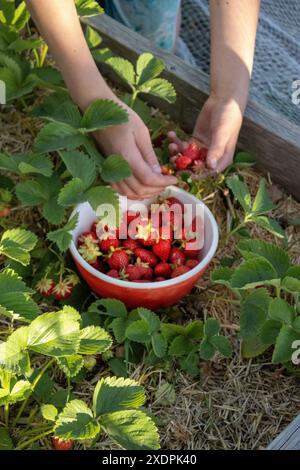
(233, 25)
(59, 24)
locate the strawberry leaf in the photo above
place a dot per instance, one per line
(123, 68)
(30, 193)
(254, 312)
(92, 37)
(80, 166)
(57, 136)
(138, 331)
(270, 225)
(72, 193)
(262, 202)
(88, 8)
(240, 192)
(222, 344)
(62, 237)
(17, 243)
(106, 204)
(70, 365)
(102, 114)
(76, 421)
(252, 273)
(148, 67)
(281, 311)
(278, 258)
(283, 347)
(211, 327)
(114, 169)
(222, 276)
(94, 340)
(161, 88)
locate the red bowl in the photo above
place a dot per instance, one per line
(152, 295)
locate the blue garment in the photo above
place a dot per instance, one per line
(157, 20)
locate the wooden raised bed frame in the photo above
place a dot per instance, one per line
(273, 140)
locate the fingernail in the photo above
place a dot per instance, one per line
(213, 163)
(156, 168)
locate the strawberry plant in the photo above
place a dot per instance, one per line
(267, 285)
(161, 342)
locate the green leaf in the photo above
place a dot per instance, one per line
(190, 364)
(240, 192)
(30, 193)
(53, 212)
(270, 225)
(70, 365)
(55, 334)
(150, 318)
(281, 311)
(131, 430)
(194, 330)
(59, 108)
(15, 300)
(291, 282)
(171, 330)
(105, 202)
(115, 168)
(123, 68)
(222, 344)
(109, 307)
(161, 88)
(138, 331)
(148, 67)
(278, 258)
(180, 346)
(20, 45)
(21, 17)
(57, 136)
(8, 163)
(253, 347)
(33, 163)
(47, 76)
(101, 55)
(269, 332)
(76, 422)
(62, 237)
(72, 193)
(102, 114)
(244, 160)
(254, 312)
(159, 344)
(262, 202)
(92, 37)
(49, 412)
(165, 395)
(118, 326)
(222, 276)
(94, 340)
(88, 8)
(252, 273)
(211, 327)
(283, 347)
(5, 440)
(207, 350)
(114, 394)
(80, 166)
(13, 354)
(17, 243)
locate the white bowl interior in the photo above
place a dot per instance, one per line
(87, 216)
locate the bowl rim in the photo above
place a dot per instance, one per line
(154, 285)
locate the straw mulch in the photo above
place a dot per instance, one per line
(234, 404)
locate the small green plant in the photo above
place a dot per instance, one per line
(267, 285)
(142, 333)
(255, 211)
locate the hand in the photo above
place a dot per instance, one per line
(217, 127)
(132, 141)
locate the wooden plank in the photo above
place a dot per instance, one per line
(289, 439)
(270, 137)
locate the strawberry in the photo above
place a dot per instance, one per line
(190, 252)
(63, 290)
(130, 244)
(62, 444)
(89, 362)
(182, 162)
(173, 201)
(5, 211)
(89, 251)
(165, 170)
(147, 234)
(192, 263)
(159, 279)
(163, 270)
(147, 273)
(177, 256)
(45, 286)
(96, 264)
(118, 260)
(131, 216)
(133, 272)
(192, 151)
(179, 270)
(113, 273)
(94, 227)
(109, 244)
(146, 256)
(203, 154)
(86, 237)
(162, 249)
(72, 279)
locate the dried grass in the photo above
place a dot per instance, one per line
(236, 404)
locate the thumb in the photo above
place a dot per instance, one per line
(216, 151)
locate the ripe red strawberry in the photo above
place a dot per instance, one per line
(192, 151)
(113, 273)
(87, 237)
(130, 244)
(191, 253)
(147, 273)
(162, 249)
(45, 286)
(177, 256)
(147, 234)
(159, 279)
(182, 162)
(62, 444)
(203, 154)
(94, 227)
(109, 244)
(133, 272)
(63, 290)
(118, 260)
(96, 264)
(163, 270)
(146, 256)
(131, 215)
(89, 251)
(179, 270)
(192, 263)
(173, 201)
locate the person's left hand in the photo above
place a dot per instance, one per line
(217, 128)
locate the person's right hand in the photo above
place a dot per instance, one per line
(132, 141)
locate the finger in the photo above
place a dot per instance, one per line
(173, 149)
(216, 149)
(145, 146)
(123, 189)
(147, 177)
(141, 191)
(175, 140)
